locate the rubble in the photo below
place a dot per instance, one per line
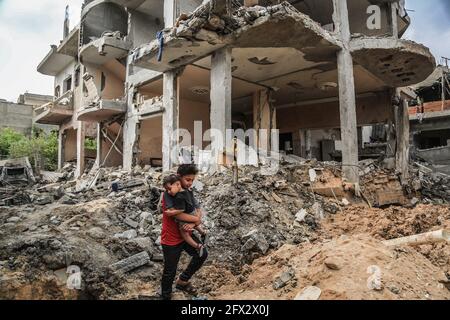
(309, 293)
(131, 263)
(16, 172)
(284, 279)
(407, 273)
(99, 226)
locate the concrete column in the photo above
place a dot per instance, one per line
(61, 148)
(403, 145)
(394, 21)
(130, 132)
(81, 137)
(347, 105)
(264, 118)
(308, 144)
(390, 139)
(347, 97)
(221, 80)
(130, 137)
(170, 11)
(99, 160)
(171, 98)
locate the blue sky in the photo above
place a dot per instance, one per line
(27, 28)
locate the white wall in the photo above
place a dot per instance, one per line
(69, 70)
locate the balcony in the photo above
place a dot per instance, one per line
(60, 56)
(104, 49)
(283, 27)
(56, 112)
(101, 110)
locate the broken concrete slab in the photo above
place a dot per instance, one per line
(133, 224)
(131, 263)
(284, 279)
(387, 59)
(309, 293)
(130, 234)
(282, 26)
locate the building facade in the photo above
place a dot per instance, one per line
(133, 72)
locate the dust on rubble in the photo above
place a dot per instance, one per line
(270, 236)
(340, 269)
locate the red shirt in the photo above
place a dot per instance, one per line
(170, 233)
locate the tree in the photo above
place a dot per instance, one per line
(9, 137)
(41, 148)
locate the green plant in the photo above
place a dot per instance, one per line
(90, 144)
(9, 137)
(40, 148)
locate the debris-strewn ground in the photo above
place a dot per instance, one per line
(340, 269)
(270, 236)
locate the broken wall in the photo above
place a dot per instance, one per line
(18, 117)
(143, 28)
(113, 86)
(70, 147)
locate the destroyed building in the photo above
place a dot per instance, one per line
(132, 72)
(430, 119)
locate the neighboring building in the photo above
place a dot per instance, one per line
(307, 69)
(430, 118)
(19, 116)
(33, 99)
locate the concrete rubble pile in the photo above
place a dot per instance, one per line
(108, 224)
(434, 186)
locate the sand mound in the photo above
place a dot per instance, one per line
(340, 268)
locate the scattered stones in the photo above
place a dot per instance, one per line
(13, 219)
(301, 215)
(415, 201)
(309, 293)
(131, 263)
(144, 244)
(44, 200)
(284, 279)
(255, 241)
(394, 289)
(333, 263)
(131, 223)
(130, 234)
(55, 244)
(317, 211)
(96, 233)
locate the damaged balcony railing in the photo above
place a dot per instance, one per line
(63, 102)
(56, 111)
